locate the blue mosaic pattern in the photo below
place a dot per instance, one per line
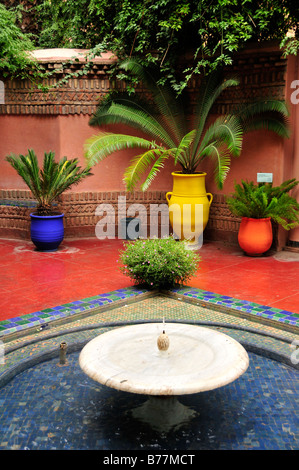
(257, 411)
(66, 310)
(17, 203)
(51, 407)
(46, 315)
(20, 203)
(271, 313)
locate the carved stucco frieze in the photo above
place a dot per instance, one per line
(261, 75)
(80, 210)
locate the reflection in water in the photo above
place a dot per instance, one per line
(163, 414)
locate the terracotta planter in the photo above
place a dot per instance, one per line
(189, 206)
(255, 235)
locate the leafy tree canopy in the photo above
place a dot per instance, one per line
(14, 45)
(159, 30)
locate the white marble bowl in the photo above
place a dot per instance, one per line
(198, 359)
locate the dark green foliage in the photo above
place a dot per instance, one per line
(158, 263)
(14, 47)
(73, 24)
(161, 31)
(47, 183)
(265, 200)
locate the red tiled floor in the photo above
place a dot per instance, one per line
(32, 281)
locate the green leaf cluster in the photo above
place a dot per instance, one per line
(158, 263)
(161, 31)
(71, 23)
(261, 200)
(48, 182)
(14, 47)
(162, 116)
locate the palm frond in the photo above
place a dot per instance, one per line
(169, 106)
(180, 153)
(209, 90)
(140, 164)
(222, 139)
(265, 114)
(137, 118)
(221, 156)
(226, 129)
(100, 146)
(65, 174)
(48, 171)
(269, 123)
(28, 169)
(157, 166)
(122, 97)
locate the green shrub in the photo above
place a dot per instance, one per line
(158, 263)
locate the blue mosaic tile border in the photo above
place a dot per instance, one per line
(20, 203)
(271, 313)
(17, 203)
(44, 316)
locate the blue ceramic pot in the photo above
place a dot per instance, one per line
(47, 232)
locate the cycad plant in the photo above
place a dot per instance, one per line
(48, 182)
(262, 200)
(162, 117)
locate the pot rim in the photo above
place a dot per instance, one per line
(186, 175)
(256, 218)
(53, 216)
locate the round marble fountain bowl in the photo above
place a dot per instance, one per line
(198, 359)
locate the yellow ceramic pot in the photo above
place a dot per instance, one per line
(189, 207)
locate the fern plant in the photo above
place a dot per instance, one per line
(163, 118)
(48, 182)
(263, 200)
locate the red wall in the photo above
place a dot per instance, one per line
(262, 152)
(66, 134)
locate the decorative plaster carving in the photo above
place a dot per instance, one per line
(80, 210)
(261, 75)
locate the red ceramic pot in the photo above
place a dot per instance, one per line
(255, 235)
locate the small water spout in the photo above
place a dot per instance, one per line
(163, 340)
(62, 354)
(43, 327)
